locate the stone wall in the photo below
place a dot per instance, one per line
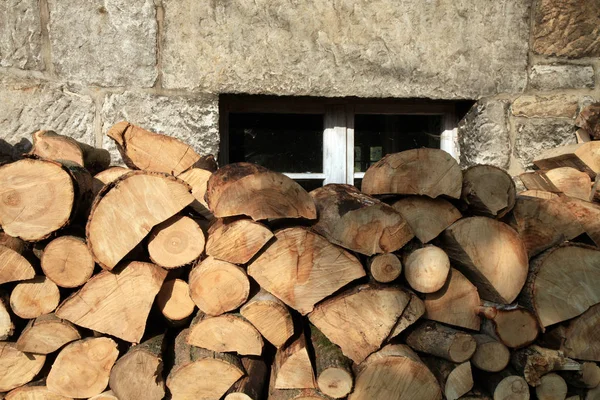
(78, 67)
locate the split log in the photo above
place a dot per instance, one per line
(17, 368)
(175, 242)
(116, 303)
(490, 254)
(427, 217)
(7, 327)
(270, 316)
(385, 268)
(552, 387)
(455, 380)
(565, 180)
(201, 374)
(252, 190)
(577, 340)
(251, 386)
(108, 395)
(513, 326)
(360, 319)
(587, 215)
(488, 191)
(13, 243)
(537, 180)
(413, 311)
(359, 222)
(225, 333)
(490, 355)
(198, 178)
(441, 341)
(34, 297)
(426, 269)
(535, 361)
(292, 366)
(67, 261)
(236, 241)
(292, 394)
(138, 374)
(587, 377)
(107, 176)
(541, 194)
(46, 334)
(333, 369)
(13, 266)
(218, 286)
(143, 200)
(595, 194)
(428, 172)
(455, 304)
(505, 385)
(174, 301)
(83, 367)
(301, 268)
(583, 157)
(36, 390)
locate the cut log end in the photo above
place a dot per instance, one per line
(174, 301)
(17, 368)
(385, 268)
(176, 242)
(237, 241)
(67, 261)
(426, 269)
(35, 297)
(488, 191)
(552, 387)
(512, 388)
(336, 382)
(490, 355)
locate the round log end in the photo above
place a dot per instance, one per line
(335, 382)
(176, 242)
(462, 348)
(426, 269)
(67, 261)
(512, 388)
(386, 267)
(35, 297)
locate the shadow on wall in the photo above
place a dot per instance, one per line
(9, 152)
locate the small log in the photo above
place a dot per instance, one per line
(490, 254)
(13, 266)
(583, 157)
(505, 385)
(83, 367)
(34, 297)
(175, 242)
(138, 374)
(426, 269)
(46, 334)
(292, 367)
(552, 387)
(535, 361)
(588, 377)
(17, 368)
(225, 333)
(252, 190)
(360, 319)
(455, 380)
(218, 286)
(198, 178)
(36, 390)
(428, 172)
(441, 341)
(413, 311)
(333, 369)
(174, 301)
(565, 180)
(301, 268)
(236, 241)
(490, 354)
(488, 191)
(513, 326)
(251, 386)
(116, 303)
(427, 217)
(385, 268)
(201, 374)
(270, 316)
(458, 295)
(107, 176)
(67, 261)
(7, 327)
(13, 243)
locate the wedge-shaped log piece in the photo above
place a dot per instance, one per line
(587, 214)
(551, 387)
(251, 386)
(198, 178)
(301, 268)
(488, 191)
(13, 266)
(116, 303)
(46, 334)
(584, 157)
(176, 242)
(174, 300)
(427, 217)
(67, 261)
(83, 367)
(413, 311)
(428, 172)
(534, 361)
(236, 241)
(7, 327)
(513, 326)
(34, 297)
(426, 269)
(292, 394)
(359, 222)
(441, 341)
(360, 319)
(395, 373)
(567, 180)
(140, 198)
(17, 368)
(334, 370)
(293, 367)
(270, 316)
(252, 190)
(490, 254)
(455, 379)
(385, 268)
(490, 355)
(578, 338)
(36, 390)
(225, 333)
(107, 176)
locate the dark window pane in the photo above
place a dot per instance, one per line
(280, 142)
(310, 184)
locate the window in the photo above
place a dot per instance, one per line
(330, 140)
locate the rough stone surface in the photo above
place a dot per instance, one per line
(346, 47)
(104, 42)
(20, 37)
(536, 135)
(194, 120)
(569, 28)
(546, 106)
(551, 77)
(483, 135)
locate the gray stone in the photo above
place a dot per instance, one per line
(560, 105)
(551, 77)
(104, 42)
(194, 120)
(409, 48)
(484, 135)
(537, 135)
(20, 34)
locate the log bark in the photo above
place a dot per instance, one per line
(535, 361)
(583, 157)
(67, 261)
(488, 191)
(252, 190)
(333, 369)
(552, 387)
(34, 297)
(13, 266)
(455, 380)
(385, 268)
(413, 311)
(106, 177)
(301, 268)
(504, 385)
(426, 269)
(270, 316)
(565, 180)
(513, 326)
(198, 178)
(176, 242)
(490, 354)
(174, 301)
(7, 327)
(441, 341)
(46, 334)
(251, 386)
(17, 368)
(428, 172)
(292, 366)
(236, 241)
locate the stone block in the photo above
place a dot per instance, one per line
(552, 77)
(546, 106)
(20, 34)
(534, 135)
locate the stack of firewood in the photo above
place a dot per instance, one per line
(174, 279)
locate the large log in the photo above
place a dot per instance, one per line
(67, 261)
(488, 191)
(107, 176)
(175, 242)
(46, 334)
(455, 380)
(236, 241)
(198, 178)
(513, 326)
(584, 156)
(13, 266)
(428, 172)
(441, 341)
(34, 297)
(333, 369)
(414, 310)
(7, 327)
(426, 269)
(301, 268)
(490, 355)
(17, 368)
(552, 387)
(534, 361)
(174, 301)
(252, 385)
(385, 268)
(292, 367)
(270, 316)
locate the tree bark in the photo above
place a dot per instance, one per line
(334, 370)
(236, 241)
(535, 361)
(7, 327)
(488, 191)
(441, 341)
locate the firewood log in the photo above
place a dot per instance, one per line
(116, 303)
(13, 266)
(175, 242)
(174, 301)
(292, 394)
(333, 369)
(513, 326)
(270, 316)
(7, 327)
(251, 386)
(46, 334)
(504, 385)
(537, 180)
(413, 311)
(595, 193)
(13, 243)
(583, 157)
(360, 319)
(476, 394)
(428, 172)
(292, 367)
(17, 368)
(359, 222)
(34, 297)
(488, 191)
(427, 217)
(577, 340)
(36, 390)
(587, 214)
(201, 374)
(225, 333)
(67, 261)
(107, 176)
(236, 241)
(458, 295)
(108, 395)
(535, 361)
(455, 380)
(301, 268)
(588, 377)
(541, 194)
(394, 373)
(218, 286)
(490, 254)
(441, 341)
(426, 269)
(138, 374)
(490, 354)
(565, 180)
(198, 178)
(551, 387)
(252, 190)
(385, 268)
